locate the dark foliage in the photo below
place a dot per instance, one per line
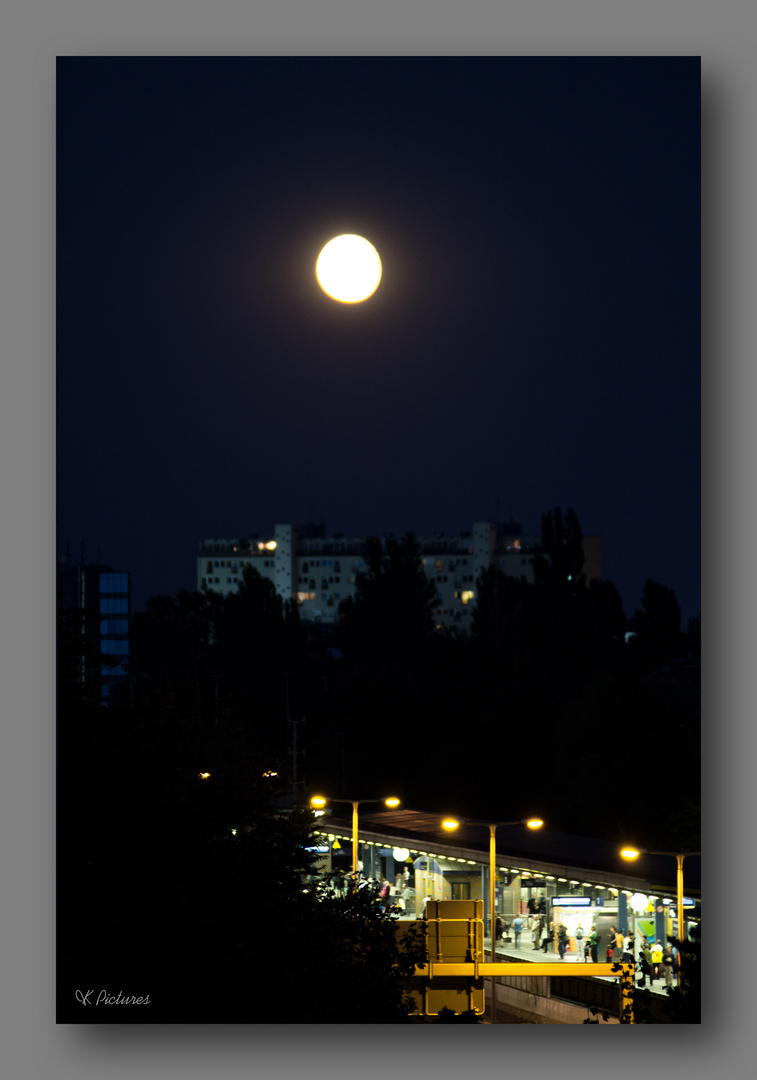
(545, 666)
(189, 890)
(156, 893)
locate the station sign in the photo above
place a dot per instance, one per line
(571, 901)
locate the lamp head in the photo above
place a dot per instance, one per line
(391, 802)
(450, 824)
(534, 823)
(630, 853)
(318, 802)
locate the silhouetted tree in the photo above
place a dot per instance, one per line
(390, 616)
(190, 890)
(170, 638)
(658, 623)
(562, 544)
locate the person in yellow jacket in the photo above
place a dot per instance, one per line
(656, 959)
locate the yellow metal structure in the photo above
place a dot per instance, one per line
(454, 938)
(453, 975)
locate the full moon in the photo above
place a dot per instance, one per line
(349, 269)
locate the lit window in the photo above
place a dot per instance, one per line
(467, 596)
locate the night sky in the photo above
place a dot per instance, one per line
(534, 342)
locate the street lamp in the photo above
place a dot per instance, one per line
(319, 801)
(531, 823)
(631, 853)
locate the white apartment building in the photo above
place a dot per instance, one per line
(320, 572)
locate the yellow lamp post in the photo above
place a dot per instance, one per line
(631, 853)
(532, 823)
(319, 801)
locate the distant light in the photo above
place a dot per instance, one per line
(233, 832)
(318, 801)
(204, 775)
(270, 773)
(450, 824)
(534, 823)
(630, 853)
(400, 853)
(392, 802)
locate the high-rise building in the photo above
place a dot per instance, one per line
(320, 572)
(100, 596)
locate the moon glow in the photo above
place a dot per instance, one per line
(349, 269)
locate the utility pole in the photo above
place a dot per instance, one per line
(295, 746)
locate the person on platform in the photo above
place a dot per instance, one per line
(645, 958)
(594, 945)
(627, 949)
(536, 932)
(580, 958)
(611, 943)
(562, 940)
(656, 960)
(667, 966)
(547, 940)
(517, 930)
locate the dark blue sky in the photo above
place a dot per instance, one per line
(534, 341)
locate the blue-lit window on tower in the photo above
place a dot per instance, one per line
(114, 631)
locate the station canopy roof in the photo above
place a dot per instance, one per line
(541, 851)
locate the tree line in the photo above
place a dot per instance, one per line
(181, 858)
(546, 690)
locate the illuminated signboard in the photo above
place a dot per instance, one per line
(571, 901)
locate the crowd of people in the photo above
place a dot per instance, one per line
(654, 960)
